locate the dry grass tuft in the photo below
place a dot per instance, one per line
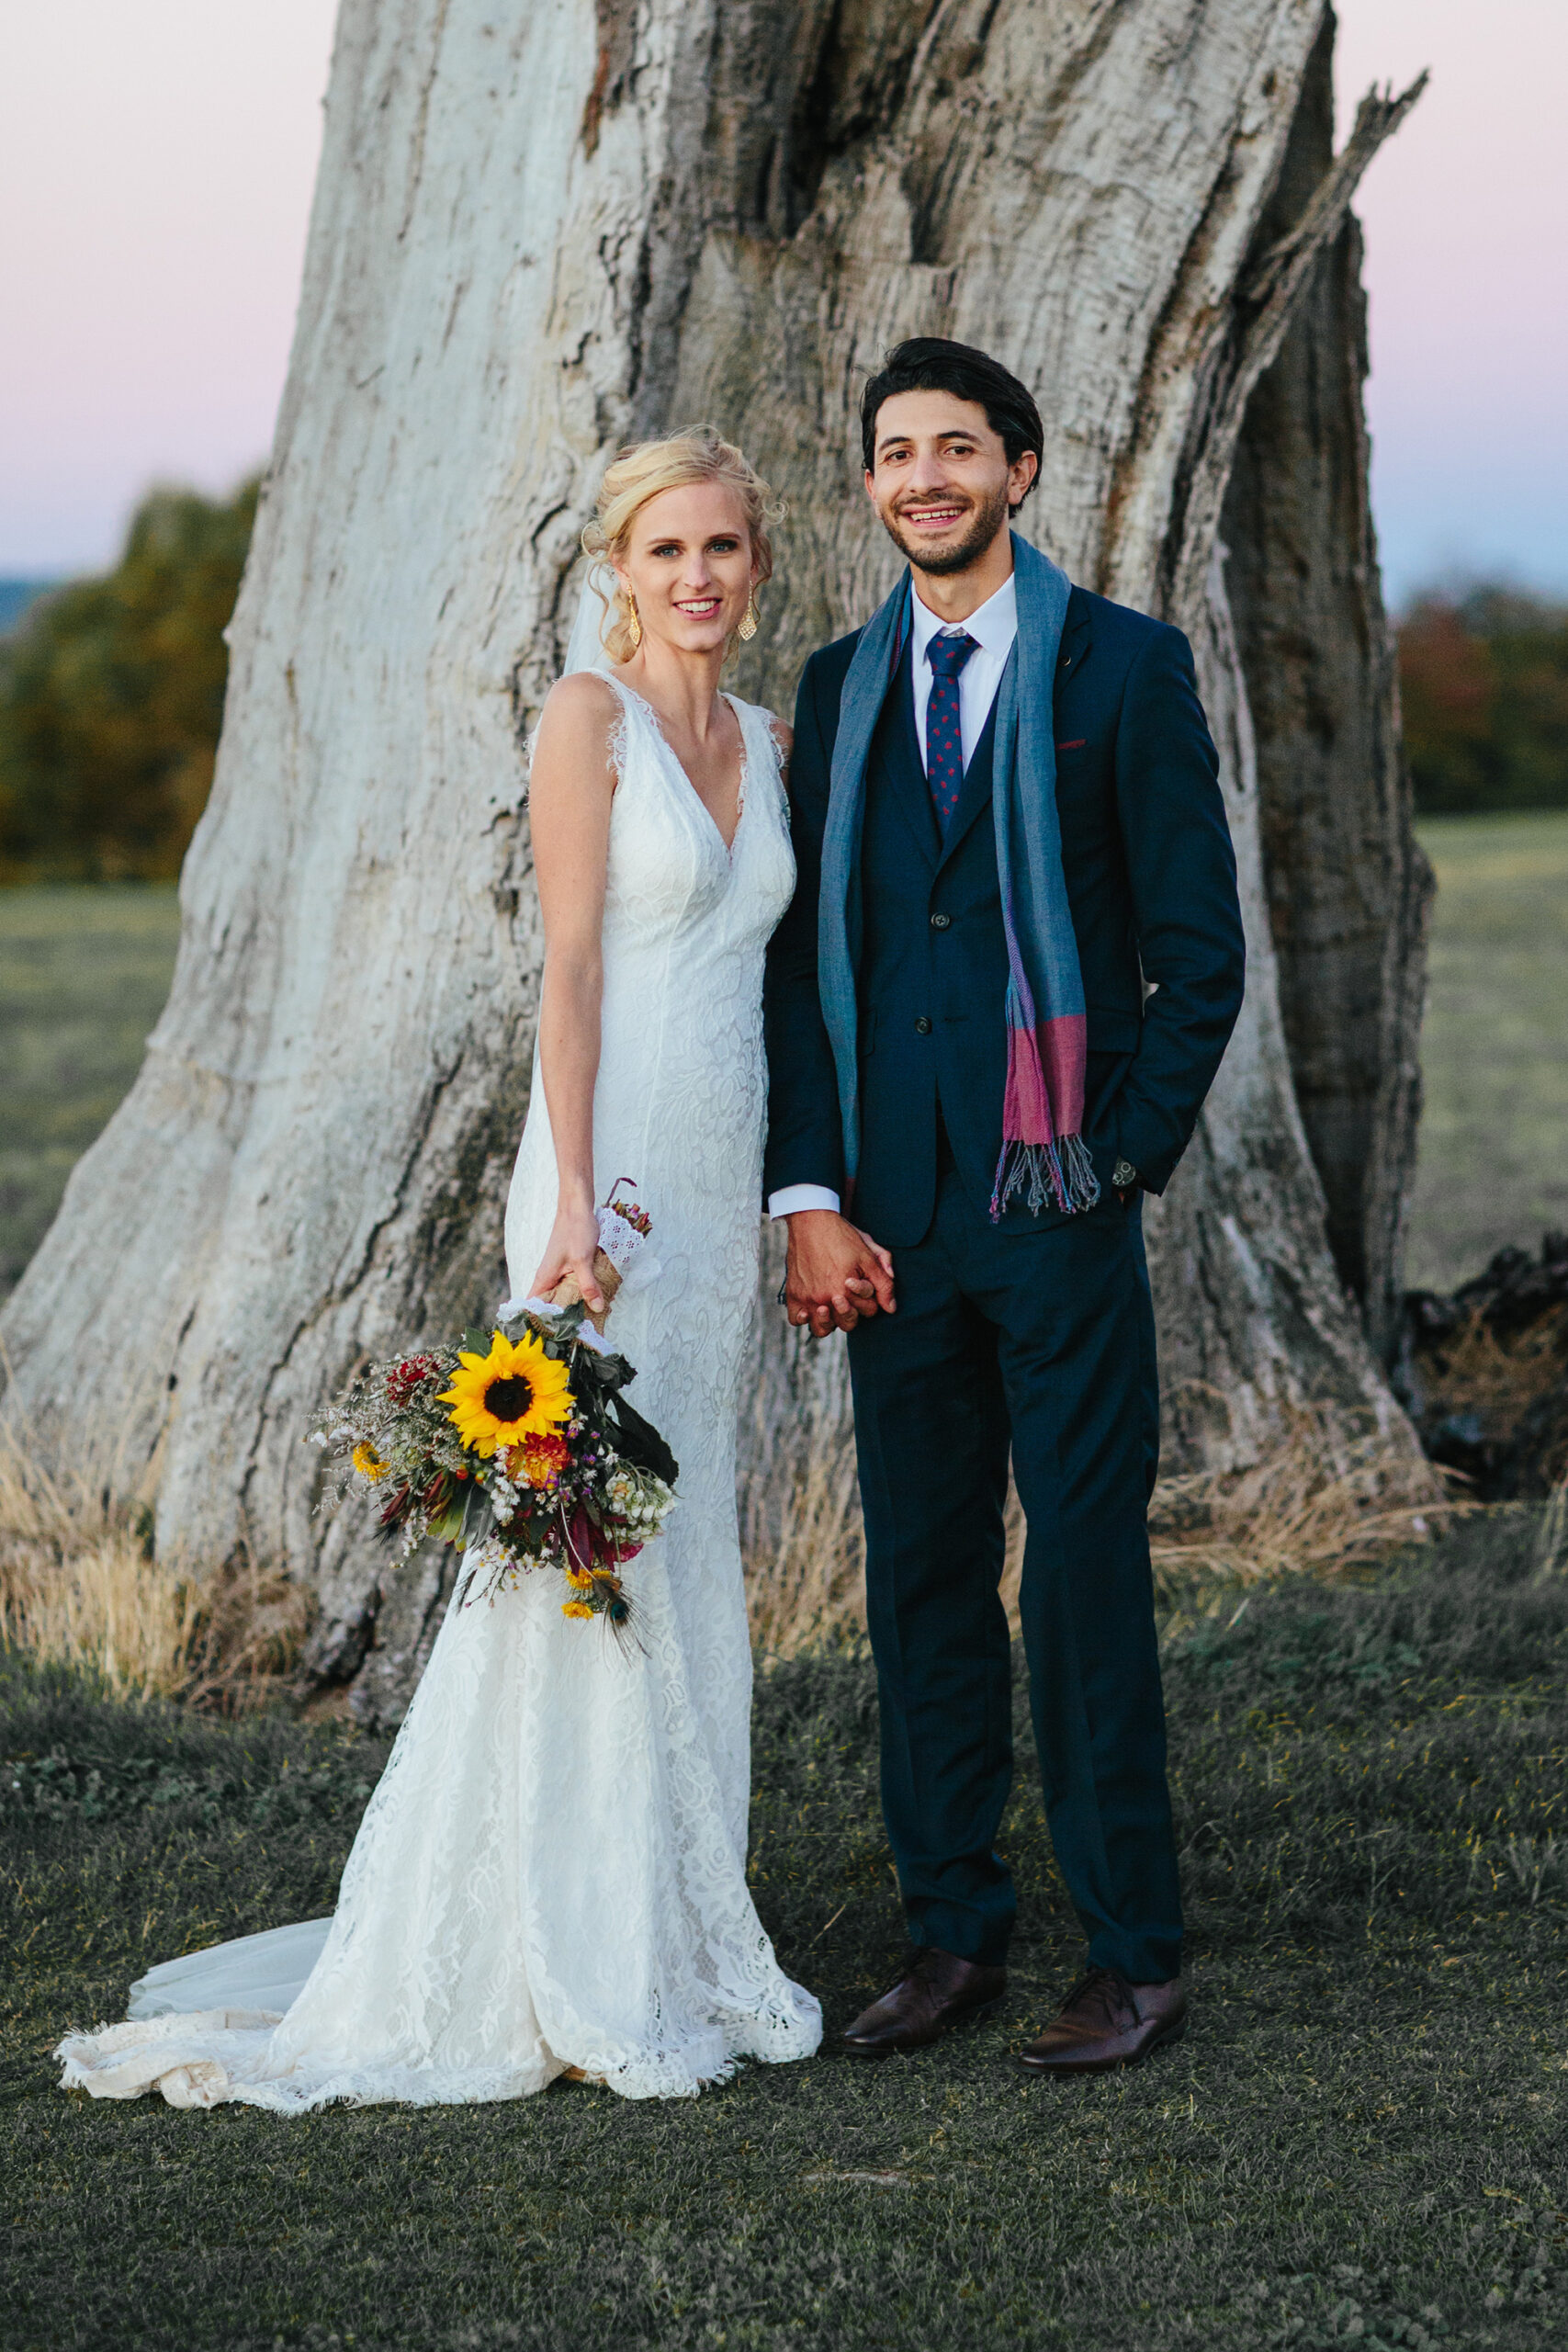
(1497, 1380)
(1327, 1498)
(250, 1627)
(806, 1560)
(80, 1586)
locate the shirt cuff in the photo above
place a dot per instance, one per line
(792, 1198)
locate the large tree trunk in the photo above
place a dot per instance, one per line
(1348, 887)
(531, 241)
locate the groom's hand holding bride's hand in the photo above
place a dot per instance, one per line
(836, 1274)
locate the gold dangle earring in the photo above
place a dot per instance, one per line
(748, 629)
(634, 621)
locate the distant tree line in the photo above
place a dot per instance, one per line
(111, 697)
(16, 595)
(1483, 683)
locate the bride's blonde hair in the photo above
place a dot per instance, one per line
(641, 472)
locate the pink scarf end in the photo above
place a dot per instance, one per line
(1043, 1158)
(1046, 1080)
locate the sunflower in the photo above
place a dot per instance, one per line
(515, 1392)
(367, 1462)
(576, 1609)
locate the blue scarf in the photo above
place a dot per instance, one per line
(1043, 1158)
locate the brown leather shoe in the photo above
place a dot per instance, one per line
(936, 1992)
(1105, 2022)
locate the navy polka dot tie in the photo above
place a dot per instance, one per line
(945, 736)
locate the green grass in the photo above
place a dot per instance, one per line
(83, 973)
(1362, 2138)
(1493, 1163)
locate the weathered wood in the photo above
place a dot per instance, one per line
(532, 239)
(1348, 887)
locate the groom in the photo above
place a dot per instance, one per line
(1011, 965)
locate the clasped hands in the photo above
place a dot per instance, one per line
(836, 1274)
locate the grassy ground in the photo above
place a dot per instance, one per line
(1494, 1164)
(1364, 2137)
(82, 977)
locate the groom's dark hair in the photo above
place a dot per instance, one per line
(929, 363)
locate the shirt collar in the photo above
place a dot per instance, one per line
(993, 625)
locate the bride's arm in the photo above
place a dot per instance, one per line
(569, 797)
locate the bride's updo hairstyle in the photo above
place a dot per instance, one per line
(641, 472)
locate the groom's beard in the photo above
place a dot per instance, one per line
(989, 517)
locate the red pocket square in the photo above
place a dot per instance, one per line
(1076, 744)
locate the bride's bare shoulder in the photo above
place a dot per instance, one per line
(578, 728)
(584, 700)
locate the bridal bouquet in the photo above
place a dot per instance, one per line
(518, 1446)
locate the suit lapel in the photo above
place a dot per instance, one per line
(904, 771)
(1077, 640)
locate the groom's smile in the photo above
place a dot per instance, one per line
(932, 518)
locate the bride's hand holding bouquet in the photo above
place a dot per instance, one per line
(568, 1259)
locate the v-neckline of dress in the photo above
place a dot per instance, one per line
(680, 766)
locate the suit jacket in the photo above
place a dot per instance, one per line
(1151, 885)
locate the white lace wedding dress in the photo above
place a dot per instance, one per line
(551, 1872)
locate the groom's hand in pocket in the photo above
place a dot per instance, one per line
(836, 1274)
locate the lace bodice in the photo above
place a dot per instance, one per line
(551, 1872)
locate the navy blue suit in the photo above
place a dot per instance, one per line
(1036, 1334)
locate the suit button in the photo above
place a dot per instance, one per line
(922, 1027)
(940, 923)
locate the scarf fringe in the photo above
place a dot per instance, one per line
(1045, 1173)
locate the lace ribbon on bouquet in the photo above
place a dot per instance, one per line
(621, 1261)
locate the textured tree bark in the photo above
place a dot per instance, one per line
(1348, 887)
(529, 243)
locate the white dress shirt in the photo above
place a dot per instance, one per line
(993, 627)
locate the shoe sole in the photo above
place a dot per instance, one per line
(906, 2049)
(1167, 2041)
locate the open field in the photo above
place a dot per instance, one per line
(1494, 1164)
(83, 973)
(1364, 2136)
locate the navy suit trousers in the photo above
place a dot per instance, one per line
(1041, 1340)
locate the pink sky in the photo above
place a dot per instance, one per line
(1466, 216)
(156, 169)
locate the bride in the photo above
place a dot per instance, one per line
(550, 1876)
